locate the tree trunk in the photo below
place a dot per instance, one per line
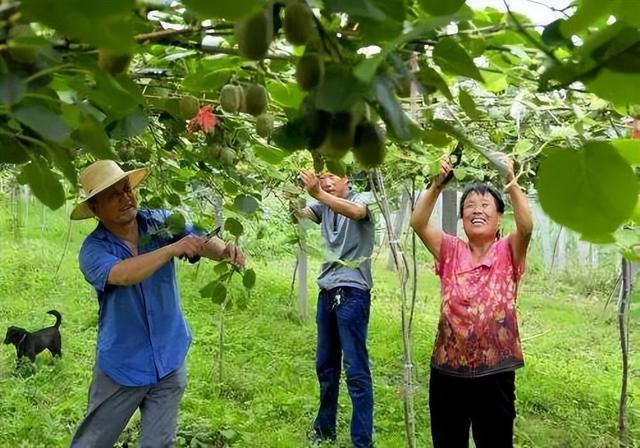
(399, 223)
(560, 250)
(302, 267)
(302, 283)
(623, 327)
(402, 267)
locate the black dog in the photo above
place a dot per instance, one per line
(30, 344)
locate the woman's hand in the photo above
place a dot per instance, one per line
(443, 176)
(504, 165)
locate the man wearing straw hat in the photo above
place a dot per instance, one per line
(143, 337)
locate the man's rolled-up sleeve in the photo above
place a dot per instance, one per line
(96, 263)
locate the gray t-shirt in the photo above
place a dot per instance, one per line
(349, 243)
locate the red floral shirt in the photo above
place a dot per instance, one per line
(478, 328)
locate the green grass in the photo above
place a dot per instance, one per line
(567, 394)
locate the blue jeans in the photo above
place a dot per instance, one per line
(342, 331)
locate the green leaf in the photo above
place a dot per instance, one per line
(469, 106)
(616, 87)
(221, 268)
(43, 183)
(366, 69)
(448, 128)
(42, 120)
(336, 167)
(61, 157)
(229, 187)
(233, 226)
(93, 137)
(216, 291)
(12, 89)
(459, 173)
(130, 126)
(374, 31)
(356, 8)
(450, 56)
(102, 24)
(494, 82)
(635, 216)
(269, 154)
(552, 34)
(339, 90)
(522, 147)
(207, 80)
(629, 149)
(12, 151)
(246, 204)
(629, 12)
(249, 278)
(587, 13)
(432, 80)
(441, 7)
(116, 97)
(392, 112)
(287, 95)
(591, 190)
(176, 223)
(438, 139)
(230, 10)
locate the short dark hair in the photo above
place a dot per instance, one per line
(482, 189)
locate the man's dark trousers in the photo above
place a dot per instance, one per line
(343, 319)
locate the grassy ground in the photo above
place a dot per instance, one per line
(567, 393)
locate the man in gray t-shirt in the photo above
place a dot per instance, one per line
(343, 303)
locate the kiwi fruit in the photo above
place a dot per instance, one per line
(318, 162)
(369, 149)
(309, 71)
(342, 131)
(254, 35)
(340, 136)
(188, 107)
(142, 153)
(126, 153)
(227, 156)
(19, 52)
(330, 152)
(403, 87)
(264, 125)
(215, 150)
(231, 98)
(317, 127)
(114, 63)
(256, 99)
(298, 23)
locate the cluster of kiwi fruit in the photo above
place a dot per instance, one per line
(254, 34)
(222, 153)
(252, 99)
(352, 130)
(113, 62)
(328, 135)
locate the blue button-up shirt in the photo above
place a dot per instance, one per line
(142, 333)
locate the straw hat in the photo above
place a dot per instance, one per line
(98, 177)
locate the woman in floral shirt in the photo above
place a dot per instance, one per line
(477, 346)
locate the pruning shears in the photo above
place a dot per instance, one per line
(212, 234)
